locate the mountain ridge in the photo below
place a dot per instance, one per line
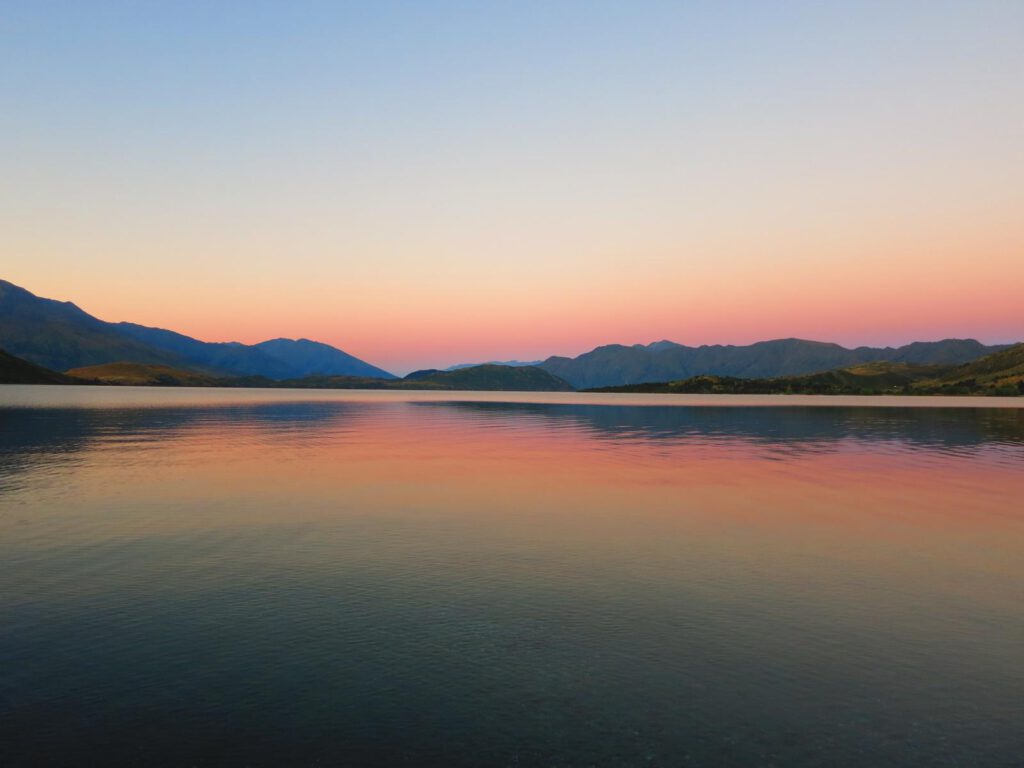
(618, 364)
(1000, 373)
(59, 335)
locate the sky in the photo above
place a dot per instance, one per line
(430, 183)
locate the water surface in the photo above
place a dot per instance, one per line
(205, 577)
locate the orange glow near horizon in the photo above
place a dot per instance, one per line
(908, 296)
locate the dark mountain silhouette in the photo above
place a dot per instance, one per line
(616, 365)
(60, 336)
(14, 370)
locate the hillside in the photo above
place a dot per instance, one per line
(663, 361)
(998, 373)
(60, 336)
(14, 370)
(143, 374)
(1001, 373)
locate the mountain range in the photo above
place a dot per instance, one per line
(618, 365)
(59, 335)
(1000, 373)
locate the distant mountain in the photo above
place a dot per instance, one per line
(275, 359)
(60, 336)
(305, 358)
(1000, 373)
(510, 363)
(616, 365)
(216, 358)
(14, 370)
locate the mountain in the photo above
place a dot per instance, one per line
(14, 370)
(305, 358)
(510, 363)
(61, 336)
(1000, 373)
(616, 365)
(275, 359)
(210, 357)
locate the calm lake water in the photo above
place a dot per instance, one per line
(208, 577)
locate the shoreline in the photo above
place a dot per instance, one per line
(114, 395)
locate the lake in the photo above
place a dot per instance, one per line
(267, 577)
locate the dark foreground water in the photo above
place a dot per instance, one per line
(204, 578)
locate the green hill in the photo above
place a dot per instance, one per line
(14, 370)
(1001, 373)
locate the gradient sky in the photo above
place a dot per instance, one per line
(427, 183)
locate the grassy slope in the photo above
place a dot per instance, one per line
(143, 374)
(1000, 369)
